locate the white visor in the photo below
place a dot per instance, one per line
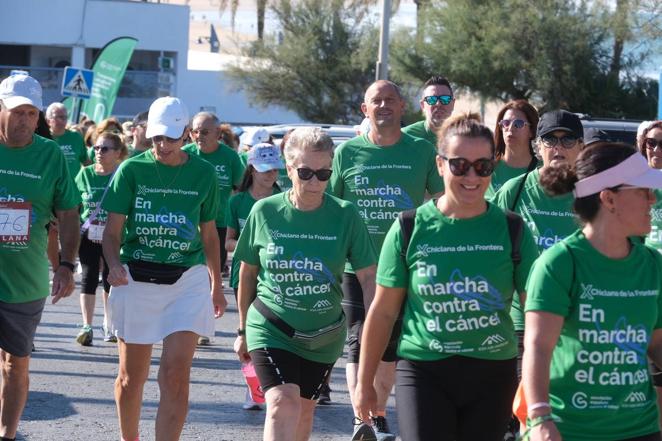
(634, 171)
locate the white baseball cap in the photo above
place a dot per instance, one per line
(168, 116)
(253, 136)
(20, 89)
(265, 157)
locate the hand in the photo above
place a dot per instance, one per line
(63, 283)
(241, 350)
(546, 431)
(218, 299)
(117, 276)
(365, 400)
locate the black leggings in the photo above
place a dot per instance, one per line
(455, 399)
(222, 232)
(89, 254)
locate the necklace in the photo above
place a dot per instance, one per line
(167, 187)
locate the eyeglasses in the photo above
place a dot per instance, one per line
(102, 148)
(652, 143)
(460, 166)
(115, 131)
(516, 123)
(306, 174)
(203, 132)
(434, 99)
(166, 139)
(567, 141)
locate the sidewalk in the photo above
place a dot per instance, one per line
(71, 391)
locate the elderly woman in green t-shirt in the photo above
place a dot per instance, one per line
(293, 250)
(594, 310)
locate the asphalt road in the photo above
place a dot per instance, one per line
(71, 391)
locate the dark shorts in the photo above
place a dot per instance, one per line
(277, 366)
(652, 437)
(352, 305)
(18, 324)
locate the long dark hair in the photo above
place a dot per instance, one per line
(247, 180)
(531, 115)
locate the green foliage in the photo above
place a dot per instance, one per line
(557, 53)
(321, 68)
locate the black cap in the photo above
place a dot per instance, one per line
(593, 135)
(560, 120)
(140, 118)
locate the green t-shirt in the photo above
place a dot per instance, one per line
(301, 255)
(382, 181)
(551, 219)
(239, 208)
(460, 280)
(502, 173)
(243, 157)
(421, 130)
(164, 206)
(599, 381)
(75, 153)
(91, 187)
(284, 182)
(654, 238)
(229, 172)
(34, 178)
(134, 152)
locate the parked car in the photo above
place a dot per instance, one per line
(339, 133)
(620, 130)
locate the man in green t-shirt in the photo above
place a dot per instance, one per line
(34, 181)
(383, 172)
(437, 103)
(70, 142)
(140, 141)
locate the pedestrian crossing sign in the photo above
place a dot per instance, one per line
(77, 82)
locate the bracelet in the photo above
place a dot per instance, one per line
(540, 405)
(68, 265)
(537, 421)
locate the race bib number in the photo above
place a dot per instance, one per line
(95, 232)
(15, 221)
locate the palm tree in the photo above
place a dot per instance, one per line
(234, 4)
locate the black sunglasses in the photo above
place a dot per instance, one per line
(652, 143)
(306, 174)
(460, 166)
(567, 141)
(434, 99)
(102, 148)
(516, 123)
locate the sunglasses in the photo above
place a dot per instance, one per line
(306, 174)
(434, 99)
(460, 166)
(102, 148)
(166, 139)
(203, 132)
(516, 123)
(567, 142)
(652, 143)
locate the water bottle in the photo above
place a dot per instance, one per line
(253, 382)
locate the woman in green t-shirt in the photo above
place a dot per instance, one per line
(456, 378)
(513, 138)
(92, 183)
(650, 145)
(594, 310)
(258, 182)
(293, 250)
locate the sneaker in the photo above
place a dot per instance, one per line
(108, 337)
(382, 432)
(84, 337)
(203, 341)
(249, 404)
(363, 432)
(325, 395)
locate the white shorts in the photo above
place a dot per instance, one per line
(146, 313)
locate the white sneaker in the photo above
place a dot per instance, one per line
(249, 404)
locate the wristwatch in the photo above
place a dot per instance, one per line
(241, 332)
(68, 265)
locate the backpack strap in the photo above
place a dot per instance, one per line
(407, 221)
(532, 166)
(516, 232)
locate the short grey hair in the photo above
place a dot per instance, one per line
(307, 139)
(207, 115)
(53, 107)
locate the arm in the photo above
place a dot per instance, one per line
(367, 278)
(377, 330)
(212, 249)
(69, 229)
(245, 296)
(655, 347)
(112, 240)
(542, 332)
(231, 239)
